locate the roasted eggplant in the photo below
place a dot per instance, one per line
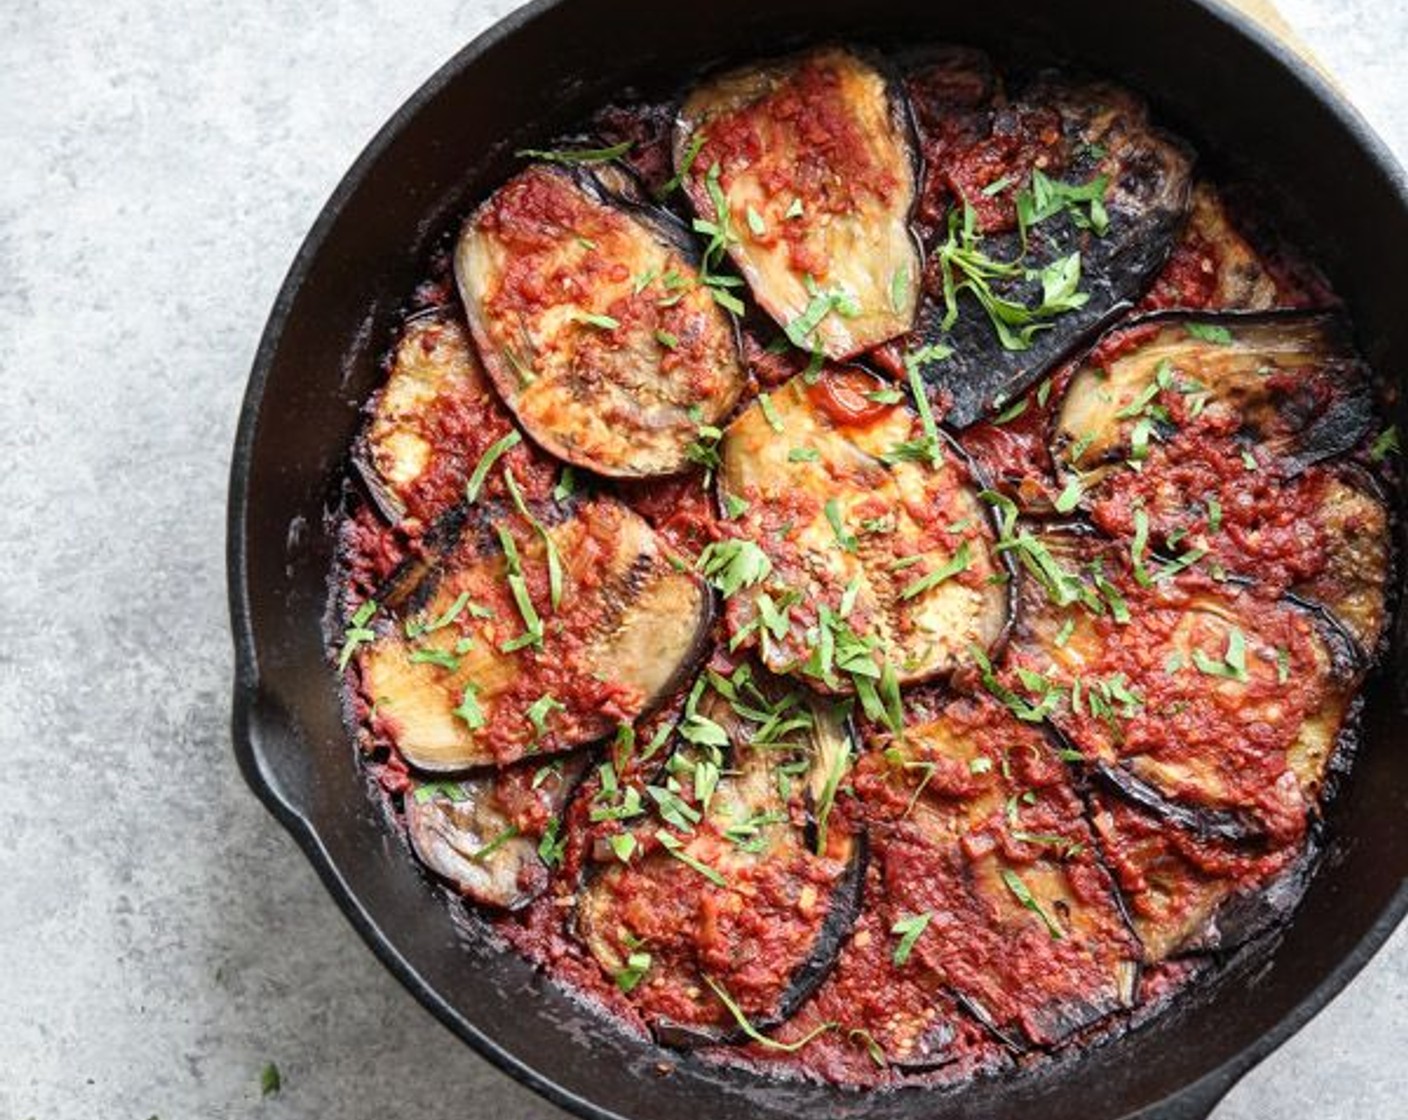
(484, 834)
(1187, 892)
(1063, 209)
(1215, 700)
(873, 552)
(802, 170)
(593, 324)
(430, 423)
(1213, 266)
(531, 633)
(1288, 384)
(991, 877)
(733, 888)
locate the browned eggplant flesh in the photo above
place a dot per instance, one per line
(732, 885)
(802, 172)
(874, 557)
(1289, 386)
(991, 875)
(533, 632)
(594, 325)
(1181, 691)
(1191, 893)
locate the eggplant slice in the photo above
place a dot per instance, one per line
(1190, 893)
(738, 877)
(1130, 187)
(483, 834)
(459, 681)
(1288, 383)
(1207, 703)
(593, 324)
(430, 423)
(1213, 266)
(870, 545)
(986, 837)
(805, 168)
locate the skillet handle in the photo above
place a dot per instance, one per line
(272, 754)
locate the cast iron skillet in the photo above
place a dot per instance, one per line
(1242, 98)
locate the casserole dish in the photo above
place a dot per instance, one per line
(534, 73)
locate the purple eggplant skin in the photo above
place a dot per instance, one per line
(449, 828)
(1148, 199)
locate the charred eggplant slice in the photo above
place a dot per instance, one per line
(484, 834)
(1190, 893)
(531, 633)
(730, 893)
(1210, 700)
(1288, 384)
(803, 171)
(593, 325)
(1065, 207)
(991, 875)
(875, 556)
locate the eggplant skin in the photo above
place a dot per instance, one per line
(592, 323)
(630, 625)
(1100, 129)
(769, 931)
(813, 157)
(843, 520)
(473, 833)
(1290, 381)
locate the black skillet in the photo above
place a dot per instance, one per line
(1242, 98)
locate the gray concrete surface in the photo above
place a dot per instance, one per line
(160, 938)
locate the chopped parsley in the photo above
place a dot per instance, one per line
(486, 464)
(549, 545)
(532, 624)
(469, 709)
(1023, 894)
(1209, 332)
(846, 540)
(540, 710)
(601, 322)
(357, 633)
(691, 153)
(958, 562)
(577, 155)
(637, 965)
(909, 929)
(731, 565)
(1385, 444)
(1233, 663)
(756, 1035)
(676, 848)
